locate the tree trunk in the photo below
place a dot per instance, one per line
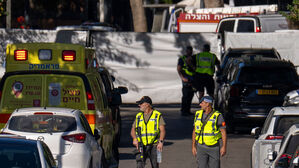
(213, 3)
(139, 18)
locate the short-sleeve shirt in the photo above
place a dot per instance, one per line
(147, 117)
(181, 63)
(220, 120)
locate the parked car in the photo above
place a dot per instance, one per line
(66, 132)
(253, 24)
(249, 88)
(233, 53)
(268, 139)
(19, 152)
(287, 156)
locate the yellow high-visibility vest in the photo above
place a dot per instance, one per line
(210, 133)
(149, 131)
(205, 63)
(185, 67)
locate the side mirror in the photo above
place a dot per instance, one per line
(256, 132)
(116, 95)
(122, 90)
(97, 135)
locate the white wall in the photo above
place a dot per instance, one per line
(146, 62)
(285, 42)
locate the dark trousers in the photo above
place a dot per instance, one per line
(150, 152)
(202, 81)
(187, 97)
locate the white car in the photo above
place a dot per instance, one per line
(66, 132)
(268, 139)
(288, 155)
(17, 152)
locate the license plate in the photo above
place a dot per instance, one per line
(267, 92)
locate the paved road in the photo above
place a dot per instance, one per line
(177, 148)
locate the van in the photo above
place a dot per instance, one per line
(57, 75)
(249, 23)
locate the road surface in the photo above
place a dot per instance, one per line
(177, 146)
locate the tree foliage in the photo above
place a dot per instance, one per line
(2, 7)
(294, 11)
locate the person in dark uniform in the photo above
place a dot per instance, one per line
(186, 70)
(205, 69)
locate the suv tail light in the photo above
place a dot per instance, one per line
(90, 101)
(77, 138)
(257, 29)
(234, 91)
(274, 137)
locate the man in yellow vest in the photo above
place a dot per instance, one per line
(186, 69)
(205, 68)
(148, 129)
(209, 129)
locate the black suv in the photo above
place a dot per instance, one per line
(250, 87)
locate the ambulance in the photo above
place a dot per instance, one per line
(57, 75)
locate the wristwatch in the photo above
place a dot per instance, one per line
(161, 141)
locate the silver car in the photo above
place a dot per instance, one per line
(288, 155)
(66, 132)
(268, 139)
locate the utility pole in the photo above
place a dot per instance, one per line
(8, 16)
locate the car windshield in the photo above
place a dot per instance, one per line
(42, 123)
(12, 155)
(261, 75)
(284, 123)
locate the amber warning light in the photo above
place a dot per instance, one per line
(69, 55)
(21, 55)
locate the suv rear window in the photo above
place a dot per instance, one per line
(42, 123)
(245, 26)
(266, 75)
(284, 123)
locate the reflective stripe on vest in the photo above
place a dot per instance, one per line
(211, 133)
(185, 68)
(205, 63)
(150, 130)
